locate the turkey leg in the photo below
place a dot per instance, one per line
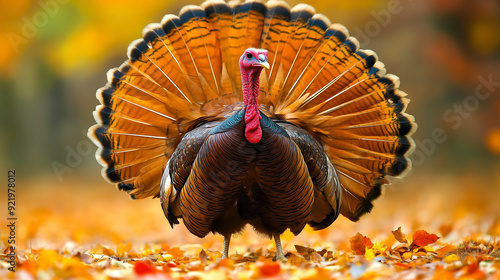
(279, 250)
(225, 247)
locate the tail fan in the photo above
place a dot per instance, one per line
(185, 71)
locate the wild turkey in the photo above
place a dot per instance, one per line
(193, 117)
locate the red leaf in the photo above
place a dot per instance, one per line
(144, 267)
(423, 238)
(359, 243)
(171, 264)
(270, 269)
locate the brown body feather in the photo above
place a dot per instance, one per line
(231, 182)
(334, 126)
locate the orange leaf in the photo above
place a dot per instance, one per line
(359, 243)
(227, 263)
(443, 274)
(175, 252)
(473, 271)
(107, 251)
(445, 250)
(423, 238)
(399, 235)
(123, 248)
(144, 267)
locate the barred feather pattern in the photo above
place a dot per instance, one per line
(336, 115)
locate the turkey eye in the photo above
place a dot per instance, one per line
(249, 55)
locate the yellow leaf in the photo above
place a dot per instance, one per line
(407, 255)
(451, 258)
(48, 258)
(369, 254)
(121, 249)
(128, 247)
(429, 249)
(166, 257)
(379, 248)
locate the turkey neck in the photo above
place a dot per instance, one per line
(250, 83)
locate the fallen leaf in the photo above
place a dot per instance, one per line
(144, 267)
(402, 265)
(304, 250)
(123, 249)
(407, 255)
(322, 252)
(442, 252)
(369, 254)
(423, 238)
(84, 257)
(399, 235)
(295, 259)
(402, 248)
(108, 252)
(379, 248)
(473, 272)
(315, 257)
(443, 274)
(451, 258)
(343, 260)
(203, 256)
(329, 255)
(359, 243)
(269, 269)
(228, 263)
(175, 252)
(465, 253)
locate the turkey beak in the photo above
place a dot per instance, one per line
(263, 61)
(265, 64)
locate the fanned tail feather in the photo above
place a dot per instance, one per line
(345, 98)
(185, 71)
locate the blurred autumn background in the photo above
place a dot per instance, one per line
(54, 56)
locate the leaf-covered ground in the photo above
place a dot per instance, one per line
(436, 228)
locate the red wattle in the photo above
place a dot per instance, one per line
(253, 131)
